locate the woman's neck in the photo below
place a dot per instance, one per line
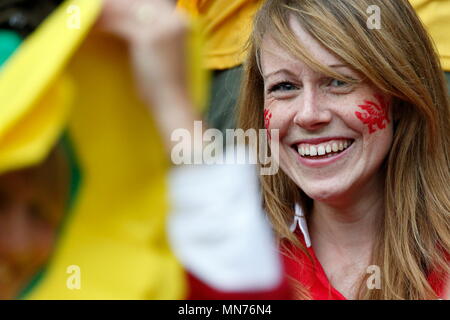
(343, 235)
(352, 223)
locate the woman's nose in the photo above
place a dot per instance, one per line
(312, 113)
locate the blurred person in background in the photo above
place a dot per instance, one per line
(32, 203)
(55, 70)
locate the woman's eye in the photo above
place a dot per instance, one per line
(340, 87)
(283, 86)
(338, 83)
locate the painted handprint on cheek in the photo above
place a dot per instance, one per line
(375, 115)
(267, 117)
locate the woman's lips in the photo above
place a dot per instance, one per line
(323, 152)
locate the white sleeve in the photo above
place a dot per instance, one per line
(218, 229)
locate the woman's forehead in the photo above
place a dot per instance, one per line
(275, 56)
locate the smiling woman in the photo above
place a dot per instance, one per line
(363, 120)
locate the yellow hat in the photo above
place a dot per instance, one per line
(34, 94)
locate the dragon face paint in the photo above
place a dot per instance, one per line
(375, 115)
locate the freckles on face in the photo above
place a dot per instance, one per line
(278, 115)
(279, 118)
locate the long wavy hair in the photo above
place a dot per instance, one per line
(400, 60)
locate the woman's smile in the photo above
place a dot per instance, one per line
(321, 152)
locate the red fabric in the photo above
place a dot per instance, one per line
(437, 279)
(310, 274)
(199, 290)
(302, 269)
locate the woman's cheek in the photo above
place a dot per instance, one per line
(274, 119)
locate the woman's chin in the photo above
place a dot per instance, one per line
(326, 194)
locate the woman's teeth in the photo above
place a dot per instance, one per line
(329, 148)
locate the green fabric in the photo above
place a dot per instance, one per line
(9, 42)
(225, 87)
(74, 187)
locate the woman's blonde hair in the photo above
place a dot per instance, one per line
(400, 60)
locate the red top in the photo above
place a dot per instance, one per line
(301, 268)
(199, 290)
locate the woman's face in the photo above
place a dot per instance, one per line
(333, 135)
(26, 233)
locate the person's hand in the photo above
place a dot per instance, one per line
(156, 35)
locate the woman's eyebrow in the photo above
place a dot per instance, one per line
(289, 72)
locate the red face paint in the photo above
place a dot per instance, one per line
(375, 114)
(267, 117)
